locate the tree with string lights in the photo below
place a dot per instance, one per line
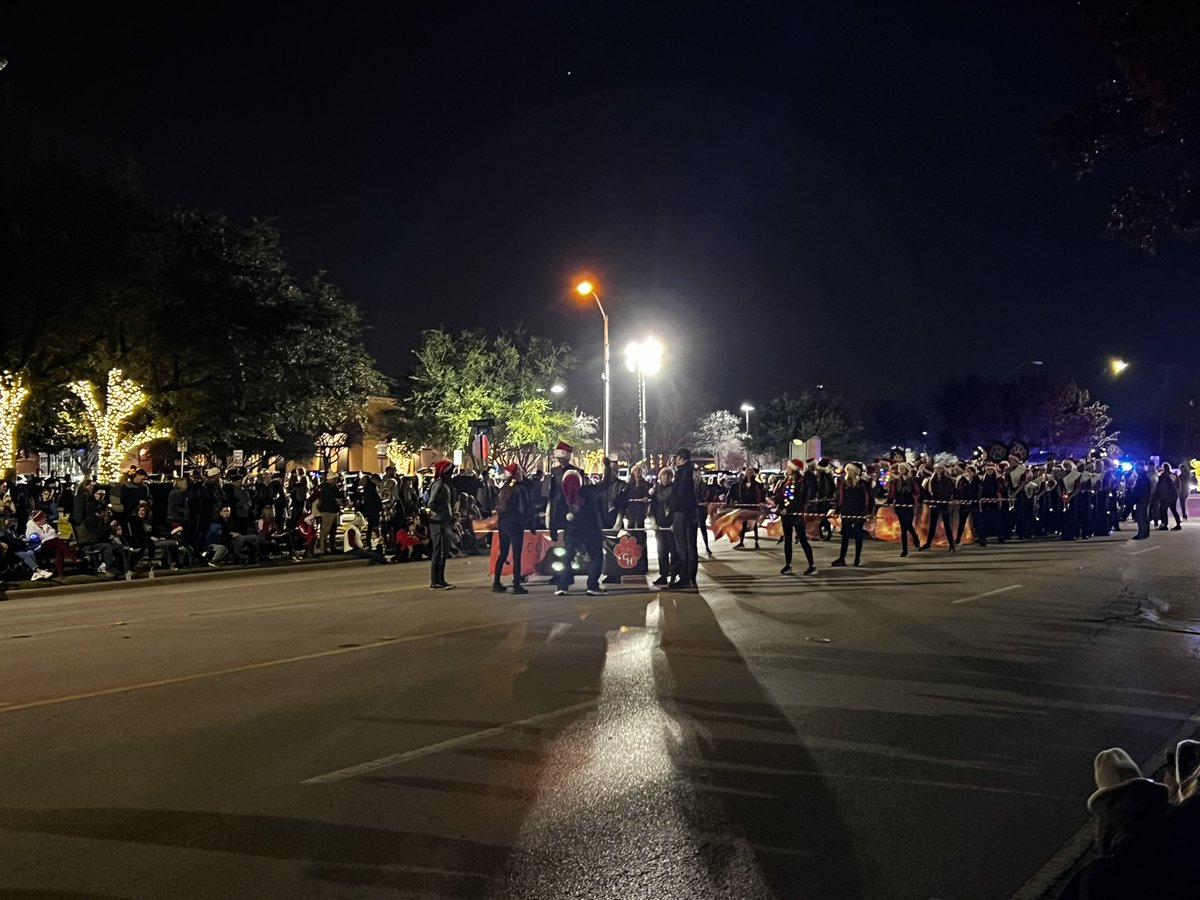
(108, 426)
(13, 393)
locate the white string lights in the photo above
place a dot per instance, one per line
(13, 393)
(106, 425)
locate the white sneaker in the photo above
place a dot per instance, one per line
(595, 592)
(39, 574)
(103, 570)
(561, 592)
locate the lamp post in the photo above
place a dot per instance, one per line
(585, 289)
(747, 409)
(644, 358)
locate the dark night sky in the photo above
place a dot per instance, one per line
(786, 193)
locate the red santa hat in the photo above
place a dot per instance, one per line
(440, 467)
(512, 469)
(571, 483)
(563, 450)
(796, 464)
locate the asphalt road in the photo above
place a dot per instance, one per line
(917, 728)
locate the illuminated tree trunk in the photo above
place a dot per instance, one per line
(13, 394)
(106, 425)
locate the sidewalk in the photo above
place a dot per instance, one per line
(75, 583)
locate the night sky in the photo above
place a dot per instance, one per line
(845, 193)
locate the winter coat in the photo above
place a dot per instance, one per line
(904, 492)
(744, 493)
(660, 504)
(513, 506)
(556, 503)
(177, 506)
(327, 498)
(792, 497)
(441, 502)
(131, 494)
(854, 500)
(1167, 491)
(968, 491)
(587, 523)
(940, 488)
(683, 494)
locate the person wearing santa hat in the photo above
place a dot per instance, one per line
(791, 500)
(512, 516)
(441, 519)
(584, 528)
(557, 506)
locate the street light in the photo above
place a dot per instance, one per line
(644, 358)
(747, 409)
(585, 289)
(557, 388)
(1118, 366)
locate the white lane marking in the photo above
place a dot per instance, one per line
(1146, 550)
(429, 749)
(1060, 864)
(1003, 590)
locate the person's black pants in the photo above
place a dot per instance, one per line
(1141, 514)
(969, 514)
(794, 524)
(593, 547)
(934, 512)
(510, 539)
(439, 544)
(687, 561)
(852, 528)
(665, 545)
(904, 515)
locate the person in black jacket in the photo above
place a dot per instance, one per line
(854, 504)
(967, 493)
(1139, 495)
(637, 500)
(441, 520)
(748, 491)
(904, 492)
(685, 518)
(791, 499)
(513, 516)
(584, 527)
(556, 504)
(660, 506)
(939, 491)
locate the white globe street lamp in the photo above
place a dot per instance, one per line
(644, 358)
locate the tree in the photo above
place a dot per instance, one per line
(107, 425)
(1151, 105)
(466, 376)
(720, 433)
(786, 418)
(13, 394)
(1054, 417)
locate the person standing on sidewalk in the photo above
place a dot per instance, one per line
(660, 506)
(329, 508)
(441, 520)
(685, 517)
(513, 514)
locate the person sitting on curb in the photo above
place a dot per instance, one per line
(96, 535)
(1147, 832)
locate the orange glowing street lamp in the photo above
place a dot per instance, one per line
(587, 289)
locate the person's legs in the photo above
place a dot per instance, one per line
(595, 552)
(684, 535)
(501, 556)
(664, 546)
(841, 559)
(856, 529)
(437, 554)
(789, 526)
(516, 540)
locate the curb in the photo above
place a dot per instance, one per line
(27, 590)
